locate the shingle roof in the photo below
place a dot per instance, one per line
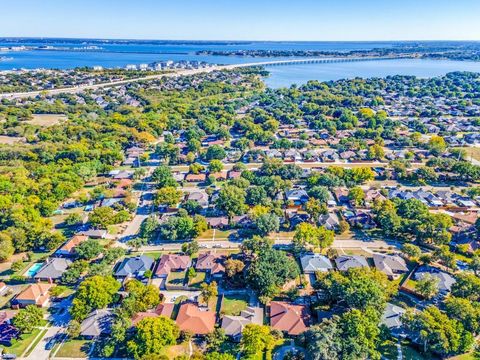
(315, 262)
(134, 265)
(345, 262)
(389, 264)
(233, 325)
(99, 322)
(53, 269)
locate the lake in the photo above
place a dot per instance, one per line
(119, 54)
(284, 76)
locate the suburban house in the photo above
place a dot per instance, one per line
(211, 263)
(195, 177)
(297, 196)
(134, 267)
(311, 263)
(165, 309)
(392, 265)
(35, 294)
(346, 262)
(196, 320)
(330, 221)
(200, 197)
(233, 325)
(172, 262)
(53, 269)
(289, 318)
(98, 323)
(392, 319)
(445, 280)
(68, 249)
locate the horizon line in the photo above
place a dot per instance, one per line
(224, 40)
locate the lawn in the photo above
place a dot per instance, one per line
(198, 279)
(42, 334)
(23, 342)
(74, 349)
(389, 351)
(234, 304)
(176, 277)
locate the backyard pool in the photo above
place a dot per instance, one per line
(32, 270)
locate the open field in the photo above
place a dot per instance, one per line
(10, 140)
(46, 119)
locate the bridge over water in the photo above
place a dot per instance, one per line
(320, 61)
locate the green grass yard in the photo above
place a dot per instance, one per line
(198, 279)
(74, 349)
(234, 304)
(22, 343)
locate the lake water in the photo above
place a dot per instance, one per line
(120, 54)
(284, 76)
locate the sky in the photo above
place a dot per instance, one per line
(309, 20)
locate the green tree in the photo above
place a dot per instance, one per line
(267, 223)
(6, 246)
(412, 251)
(168, 196)
(73, 219)
(427, 286)
(163, 176)
(152, 335)
(27, 319)
(467, 286)
(89, 249)
(257, 340)
(319, 237)
(437, 145)
(357, 196)
(102, 217)
(208, 291)
(215, 166)
(271, 270)
(231, 199)
(93, 293)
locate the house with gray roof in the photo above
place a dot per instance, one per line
(445, 280)
(234, 325)
(98, 323)
(311, 263)
(392, 319)
(53, 269)
(330, 221)
(392, 265)
(134, 266)
(346, 262)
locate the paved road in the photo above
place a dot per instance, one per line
(225, 244)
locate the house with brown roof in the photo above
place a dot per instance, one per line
(195, 177)
(68, 249)
(161, 310)
(35, 294)
(198, 321)
(211, 263)
(290, 318)
(172, 262)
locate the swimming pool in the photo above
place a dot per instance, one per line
(32, 270)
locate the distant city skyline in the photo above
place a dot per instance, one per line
(259, 20)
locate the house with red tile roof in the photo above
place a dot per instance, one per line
(198, 321)
(289, 318)
(172, 262)
(68, 249)
(35, 294)
(161, 310)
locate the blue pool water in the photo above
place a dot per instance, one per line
(33, 270)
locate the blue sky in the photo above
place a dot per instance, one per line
(244, 19)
